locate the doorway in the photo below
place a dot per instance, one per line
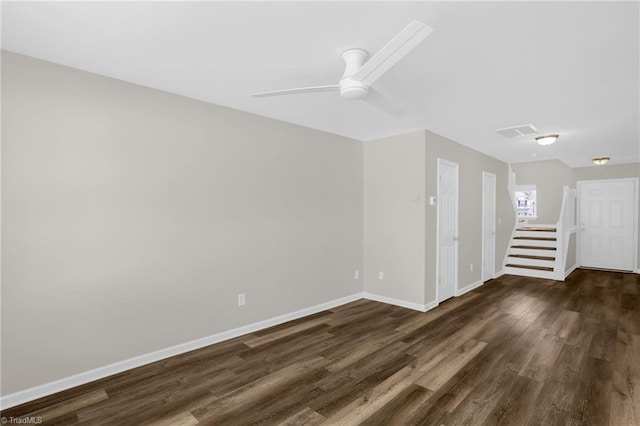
(447, 224)
(488, 226)
(608, 218)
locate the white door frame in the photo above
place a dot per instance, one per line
(635, 217)
(453, 164)
(484, 176)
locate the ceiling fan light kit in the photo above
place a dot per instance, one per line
(360, 73)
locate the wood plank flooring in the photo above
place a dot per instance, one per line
(516, 351)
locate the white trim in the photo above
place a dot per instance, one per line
(400, 302)
(434, 303)
(636, 196)
(39, 391)
(499, 273)
(495, 179)
(573, 268)
(457, 243)
(437, 230)
(468, 288)
(528, 187)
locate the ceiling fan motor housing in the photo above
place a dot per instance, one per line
(350, 88)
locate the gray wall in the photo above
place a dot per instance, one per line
(134, 217)
(549, 176)
(394, 216)
(613, 171)
(471, 165)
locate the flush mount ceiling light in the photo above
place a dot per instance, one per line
(600, 160)
(547, 139)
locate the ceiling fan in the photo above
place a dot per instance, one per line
(360, 75)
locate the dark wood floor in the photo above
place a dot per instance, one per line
(515, 351)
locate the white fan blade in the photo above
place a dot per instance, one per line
(384, 104)
(312, 89)
(392, 52)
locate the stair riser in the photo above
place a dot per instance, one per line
(536, 234)
(536, 243)
(529, 273)
(531, 262)
(533, 252)
(539, 240)
(540, 225)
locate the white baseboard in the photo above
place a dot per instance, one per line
(430, 305)
(399, 302)
(498, 274)
(39, 391)
(573, 268)
(468, 288)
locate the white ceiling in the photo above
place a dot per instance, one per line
(570, 68)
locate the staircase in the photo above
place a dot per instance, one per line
(533, 251)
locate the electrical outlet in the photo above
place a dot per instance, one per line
(499, 220)
(242, 299)
(356, 275)
(381, 275)
(471, 267)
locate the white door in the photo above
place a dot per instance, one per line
(607, 223)
(447, 229)
(488, 225)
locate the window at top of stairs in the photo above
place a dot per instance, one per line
(526, 201)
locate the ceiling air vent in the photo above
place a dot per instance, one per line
(512, 132)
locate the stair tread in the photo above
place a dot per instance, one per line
(534, 248)
(527, 256)
(534, 229)
(538, 268)
(536, 238)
